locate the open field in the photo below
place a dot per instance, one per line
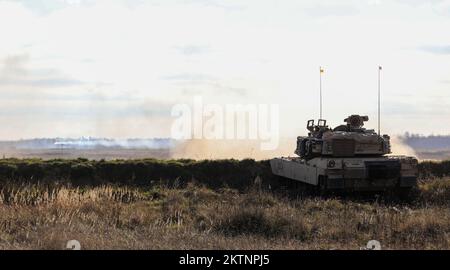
(97, 154)
(35, 216)
(185, 204)
(434, 155)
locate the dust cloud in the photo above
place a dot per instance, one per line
(398, 147)
(237, 149)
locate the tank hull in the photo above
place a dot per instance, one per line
(353, 173)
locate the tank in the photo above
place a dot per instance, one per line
(348, 157)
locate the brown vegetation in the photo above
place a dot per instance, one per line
(46, 216)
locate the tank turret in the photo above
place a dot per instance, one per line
(348, 140)
(348, 157)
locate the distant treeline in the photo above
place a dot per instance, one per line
(427, 143)
(231, 173)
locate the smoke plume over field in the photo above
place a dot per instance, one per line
(239, 149)
(399, 147)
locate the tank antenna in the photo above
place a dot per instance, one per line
(320, 89)
(379, 86)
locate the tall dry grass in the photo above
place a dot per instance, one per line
(42, 216)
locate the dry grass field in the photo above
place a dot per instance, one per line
(46, 216)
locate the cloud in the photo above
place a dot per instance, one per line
(13, 65)
(192, 49)
(188, 77)
(215, 87)
(440, 7)
(441, 50)
(420, 2)
(331, 10)
(222, 4)
(45, 7)
(15, 72)
(203, 83)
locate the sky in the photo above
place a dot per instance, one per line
(71, 68)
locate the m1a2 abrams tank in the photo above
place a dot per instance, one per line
(347, 158)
